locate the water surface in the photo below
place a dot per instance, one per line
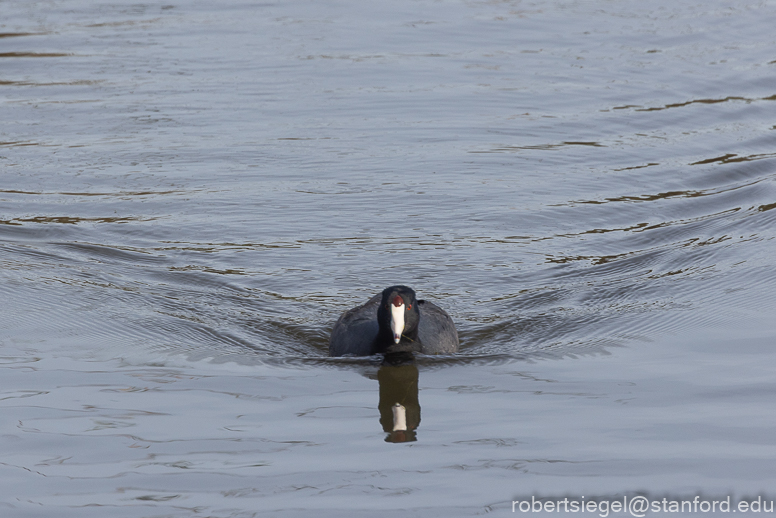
(192, 193)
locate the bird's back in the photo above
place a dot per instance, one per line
(355, 332)
(436, 330)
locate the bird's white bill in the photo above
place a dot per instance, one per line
(397, 322)
(399, 418)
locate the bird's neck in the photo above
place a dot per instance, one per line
(409, 342)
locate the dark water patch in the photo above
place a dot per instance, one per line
(731, 98)
(34, 54)
(207, 269)
(20, 34)
(651, 164)
(119, 193)
(82, 82)
(18, 143)
(540, 147)
(731, 158)
(73, 220)
(658, 196)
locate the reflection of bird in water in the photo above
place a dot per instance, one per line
(399, 406)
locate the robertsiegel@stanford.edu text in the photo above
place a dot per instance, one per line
(638, 506)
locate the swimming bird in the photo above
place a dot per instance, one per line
(394, 321)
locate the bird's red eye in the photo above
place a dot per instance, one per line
(409, 307)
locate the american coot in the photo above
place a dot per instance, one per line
(394, 322)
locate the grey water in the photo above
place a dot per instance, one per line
(192, 192)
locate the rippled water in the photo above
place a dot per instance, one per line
(191, 193)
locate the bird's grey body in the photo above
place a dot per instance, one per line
(358, 331)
